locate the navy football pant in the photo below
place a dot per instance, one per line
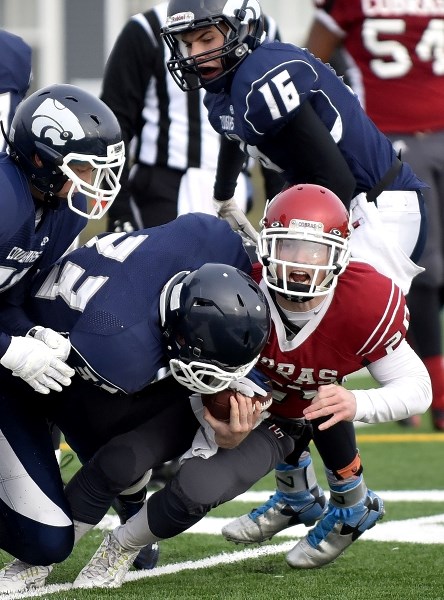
(35, 515)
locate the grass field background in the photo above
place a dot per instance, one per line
(197, 565)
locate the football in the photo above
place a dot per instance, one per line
(219, 403)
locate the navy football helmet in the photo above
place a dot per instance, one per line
(241, 23)
(64, 125)
(215, 321)
(304, 243)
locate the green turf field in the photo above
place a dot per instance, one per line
(203, 565)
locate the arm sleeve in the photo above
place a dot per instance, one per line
(14, 321)
(5, 341)
(405, 388)
(230, 163)
(13, 317)
(128, 70)
(318, 159)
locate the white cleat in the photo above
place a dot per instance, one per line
(108, 567)
(18, 576)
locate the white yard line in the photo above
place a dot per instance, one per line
(423, 530)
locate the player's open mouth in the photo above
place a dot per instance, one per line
(209, 72)
(299, 277)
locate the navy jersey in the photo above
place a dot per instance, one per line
(15, 76)
(267, 91)
(25, 247)
(106, 295)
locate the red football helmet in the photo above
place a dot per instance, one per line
(304, 242)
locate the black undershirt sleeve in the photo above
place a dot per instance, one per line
(230, 162)
(317, 158)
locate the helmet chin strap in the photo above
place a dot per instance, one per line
(337, 269)
(294, 287)
(302, 287)
(51, 200)
(49, 197)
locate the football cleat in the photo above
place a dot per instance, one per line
(148, 557)
(127, 507)
(279, 512)
(108, 567)
(336, 531)
(18, 576)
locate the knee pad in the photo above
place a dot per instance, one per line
(195, 506)
(117, 465)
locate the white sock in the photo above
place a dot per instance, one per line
(80, 529)
(135, 534)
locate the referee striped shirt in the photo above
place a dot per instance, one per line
(161, 124)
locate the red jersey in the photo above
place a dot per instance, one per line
(398, 46)
(364, 319)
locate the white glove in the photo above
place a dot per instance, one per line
(60, 345)
(125, 226)
(247, 387)
(230, 212)
(35, 363)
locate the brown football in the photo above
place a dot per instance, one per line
(219, 403)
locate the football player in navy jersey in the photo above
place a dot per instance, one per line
(175, 296)
(15, 76)
(280, 104)
(54, 140)
(63, 143)
(315, 295)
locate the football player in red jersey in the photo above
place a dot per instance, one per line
(396, 51)
(331, 317)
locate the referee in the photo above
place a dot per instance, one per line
(171, 147)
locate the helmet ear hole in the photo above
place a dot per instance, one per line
(37, 160)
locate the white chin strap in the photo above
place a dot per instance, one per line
(105, 186)
(193, 374)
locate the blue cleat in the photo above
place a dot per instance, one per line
(297, 500)
(345, 521)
